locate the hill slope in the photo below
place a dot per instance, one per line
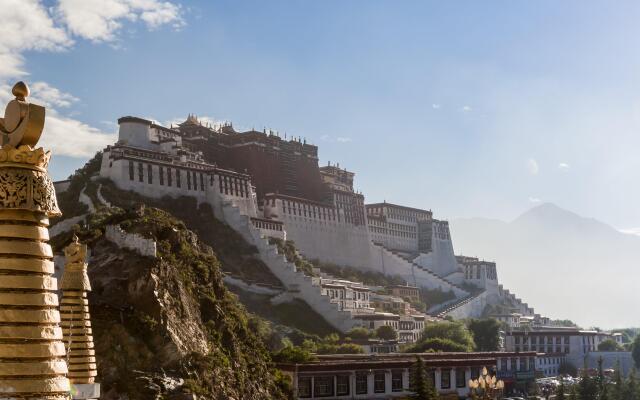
(167, 327)
(566, 265)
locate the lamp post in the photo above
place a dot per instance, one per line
(486, 387)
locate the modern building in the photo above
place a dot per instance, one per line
(387, 376)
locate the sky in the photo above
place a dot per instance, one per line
(467, 108)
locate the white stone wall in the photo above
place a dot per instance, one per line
(321, 234)
(118, 171)
(131, 241)
(441, 259)
(383, 260)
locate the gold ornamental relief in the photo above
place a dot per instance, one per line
(24, 182)
(26, 189)
(24, 154)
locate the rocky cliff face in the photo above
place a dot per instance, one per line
(167, 327)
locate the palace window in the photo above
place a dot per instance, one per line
(150, 173)
(131, 172)
(396, 381)
(323, 386)
(168, 176)
(161, 176)
(361, 383)
(177, 177)
(379, 384)
(304, 387)
(140, 172)
(188, 180)
(461, 379)
(195, 181)
(524, 365)
(445, 379)
(202, 182)
(342, 385)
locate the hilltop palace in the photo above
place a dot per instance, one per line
(265, 186)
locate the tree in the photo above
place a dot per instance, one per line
(560, 395)
(438, 344)
(445, 336)
(486, 334)
(632, 389)
(609, 345)
(588, 387)
(292, 354)
(421, 384)
(573, 395)
(359, 333)
(386, 332)
(618, 387)
(635, 351)
(566, 368)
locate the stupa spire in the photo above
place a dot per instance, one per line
(32, 354)
(76, 321)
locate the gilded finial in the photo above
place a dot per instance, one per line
(23, 122)
(21, 91)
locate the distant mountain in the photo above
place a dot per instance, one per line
(564, 265)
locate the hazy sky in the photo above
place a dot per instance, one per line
(469, 108)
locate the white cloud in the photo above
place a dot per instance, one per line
(49, 96)
(466, 108)
(534, 200)
(27, 25)
(532, 166)
(69, 137)
(99, 20)
(563, 166)
(435, 106)
(631, 231)
(343, 139)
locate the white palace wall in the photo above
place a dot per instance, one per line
(206, 185)
(441, 259)
(319, 232)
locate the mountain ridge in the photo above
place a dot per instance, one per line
(559, 261)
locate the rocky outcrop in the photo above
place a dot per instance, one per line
(169, 318)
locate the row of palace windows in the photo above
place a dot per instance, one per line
(306, 210)
(340, 385)
(192, 176)
(195, 180)
(490, 270)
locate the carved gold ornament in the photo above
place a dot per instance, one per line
(24, 182)
(23, 122)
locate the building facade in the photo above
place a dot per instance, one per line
(388, 376)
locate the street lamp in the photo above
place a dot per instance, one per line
(486, 387)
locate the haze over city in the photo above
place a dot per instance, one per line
(457, 107)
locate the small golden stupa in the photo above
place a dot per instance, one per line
(32, 354)
(76, 320)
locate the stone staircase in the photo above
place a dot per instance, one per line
(433, 277)
(297, 284)
(443, 312)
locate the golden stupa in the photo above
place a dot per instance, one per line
(76, 320)
(32, 354)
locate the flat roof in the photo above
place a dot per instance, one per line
(385, 204)
(345, 362)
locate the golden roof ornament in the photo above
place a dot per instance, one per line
(32, 354)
